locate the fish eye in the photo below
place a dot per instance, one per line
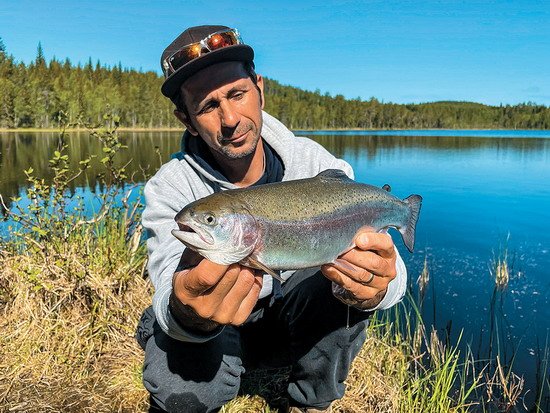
(209, 219)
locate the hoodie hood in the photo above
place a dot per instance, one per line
(274, 133)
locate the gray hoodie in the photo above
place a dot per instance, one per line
(182, 181)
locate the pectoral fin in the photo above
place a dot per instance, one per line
(253, 263)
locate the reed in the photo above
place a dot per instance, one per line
(423, 280)
(500, 267)
(543, 378)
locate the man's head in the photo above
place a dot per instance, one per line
(199, 47)
(210, 78)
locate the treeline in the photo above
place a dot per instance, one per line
(38, 94)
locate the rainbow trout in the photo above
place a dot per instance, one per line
(294, 224)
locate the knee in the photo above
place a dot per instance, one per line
(176, 393)
(187, 377)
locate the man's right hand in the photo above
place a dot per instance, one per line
(216, 294)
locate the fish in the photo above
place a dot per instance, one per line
(294, 224)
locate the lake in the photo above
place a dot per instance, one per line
(485, 192)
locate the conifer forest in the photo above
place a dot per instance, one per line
(41, 93)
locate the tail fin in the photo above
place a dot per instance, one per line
(407, 232)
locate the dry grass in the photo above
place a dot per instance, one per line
(68, 345)
(501, 272)
(504, 389)
(375, 382)
(68, 323)
(423, 279)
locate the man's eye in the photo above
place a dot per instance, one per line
(238, 95)
(207, 108)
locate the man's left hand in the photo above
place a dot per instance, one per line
(366, 270)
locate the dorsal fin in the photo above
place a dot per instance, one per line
(333, 174)
(386, 187)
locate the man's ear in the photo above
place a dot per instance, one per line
(260, 84)
(182, 117)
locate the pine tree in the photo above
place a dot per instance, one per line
(40, 60)
(2, 49)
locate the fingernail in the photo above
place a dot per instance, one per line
(363, 239)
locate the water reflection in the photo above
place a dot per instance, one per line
(19, 151)
(355, 146)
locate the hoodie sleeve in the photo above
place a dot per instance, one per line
(162, 202)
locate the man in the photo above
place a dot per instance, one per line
(211, 322)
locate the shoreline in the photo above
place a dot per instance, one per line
(128, 129)
(121, 129)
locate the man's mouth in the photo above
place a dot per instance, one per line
(236, 138)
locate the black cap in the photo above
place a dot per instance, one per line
(172, 83)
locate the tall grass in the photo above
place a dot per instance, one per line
(71, 289)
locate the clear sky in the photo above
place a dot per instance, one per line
(490, 51)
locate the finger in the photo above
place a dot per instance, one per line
(247, 305)
(361, 276)
(207, 304)
(358, 291)
(225, 284)
(233, 299)
(376, 241)
(371, 262)
(203, 277)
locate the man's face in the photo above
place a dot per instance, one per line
(225, 109)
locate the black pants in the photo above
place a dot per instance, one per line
(305, 328)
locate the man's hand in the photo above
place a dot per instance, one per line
(365, 271)
(216, 294)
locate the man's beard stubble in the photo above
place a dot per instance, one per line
(226, 150)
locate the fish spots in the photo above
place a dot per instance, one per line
(296, 224)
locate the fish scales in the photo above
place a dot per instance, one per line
(294, 201)
(305, 243)
(293, 224)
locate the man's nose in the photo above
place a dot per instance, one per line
(229, 116)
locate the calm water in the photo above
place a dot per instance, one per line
(479, 188)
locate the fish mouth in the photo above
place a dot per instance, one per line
(192, 236)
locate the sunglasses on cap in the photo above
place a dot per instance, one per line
(187, 53)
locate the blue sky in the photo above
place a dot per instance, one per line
(489, 51)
